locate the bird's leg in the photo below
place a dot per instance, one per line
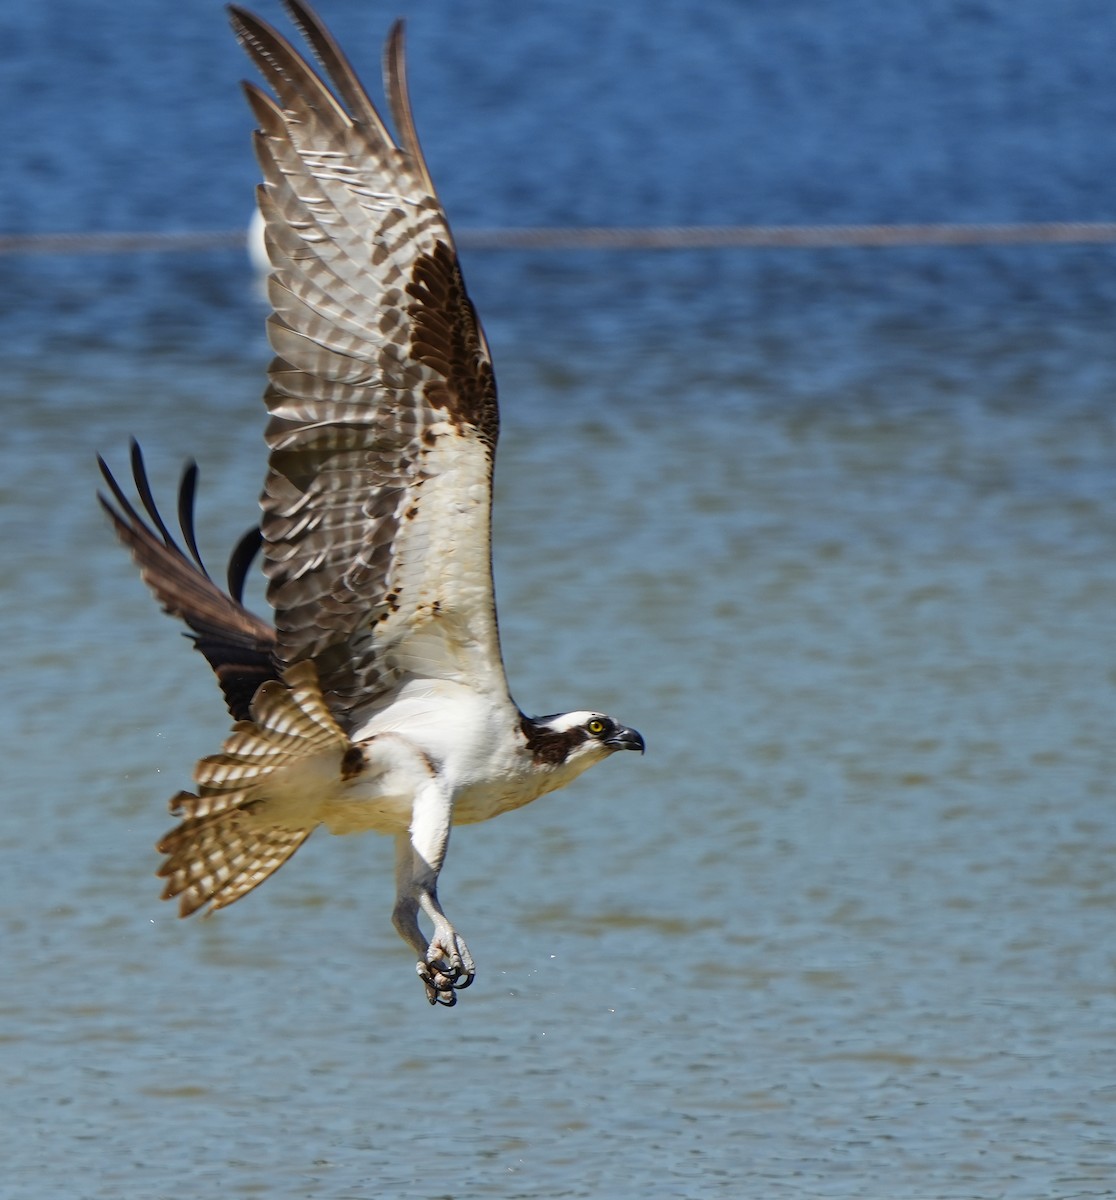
(405, 914)
(445, 965)
(448, 966)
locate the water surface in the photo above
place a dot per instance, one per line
(836, 531)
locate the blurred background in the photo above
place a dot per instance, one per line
(835, 528)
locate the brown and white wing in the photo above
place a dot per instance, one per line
(236, 643)
(376, 508)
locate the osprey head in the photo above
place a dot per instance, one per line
(577, 739)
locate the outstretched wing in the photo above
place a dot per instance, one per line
(376, 508)
(237, 644)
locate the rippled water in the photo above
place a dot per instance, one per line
(837, 532)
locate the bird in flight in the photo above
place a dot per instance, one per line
(378, 699)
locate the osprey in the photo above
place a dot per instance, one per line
(378, 700)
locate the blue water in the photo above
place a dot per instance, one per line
(574, 113)
(835, 529)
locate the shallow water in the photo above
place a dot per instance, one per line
(835, 531)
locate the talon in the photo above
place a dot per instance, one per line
(444, 980)
(439, 989)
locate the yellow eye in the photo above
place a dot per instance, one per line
(596, 727)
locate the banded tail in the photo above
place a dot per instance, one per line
(248, 815)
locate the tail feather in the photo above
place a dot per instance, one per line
(288, 724)
(213, 860)
(234, 835)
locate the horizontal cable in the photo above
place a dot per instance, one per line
(665, 237)
(685, 237)
(119, 243)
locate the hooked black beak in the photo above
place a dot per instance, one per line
(626, 739)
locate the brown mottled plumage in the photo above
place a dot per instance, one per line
(378, 701)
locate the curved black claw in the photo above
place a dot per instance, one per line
(443, 982)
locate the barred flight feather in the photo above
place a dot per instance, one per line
(382, 390)
(225, 845)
